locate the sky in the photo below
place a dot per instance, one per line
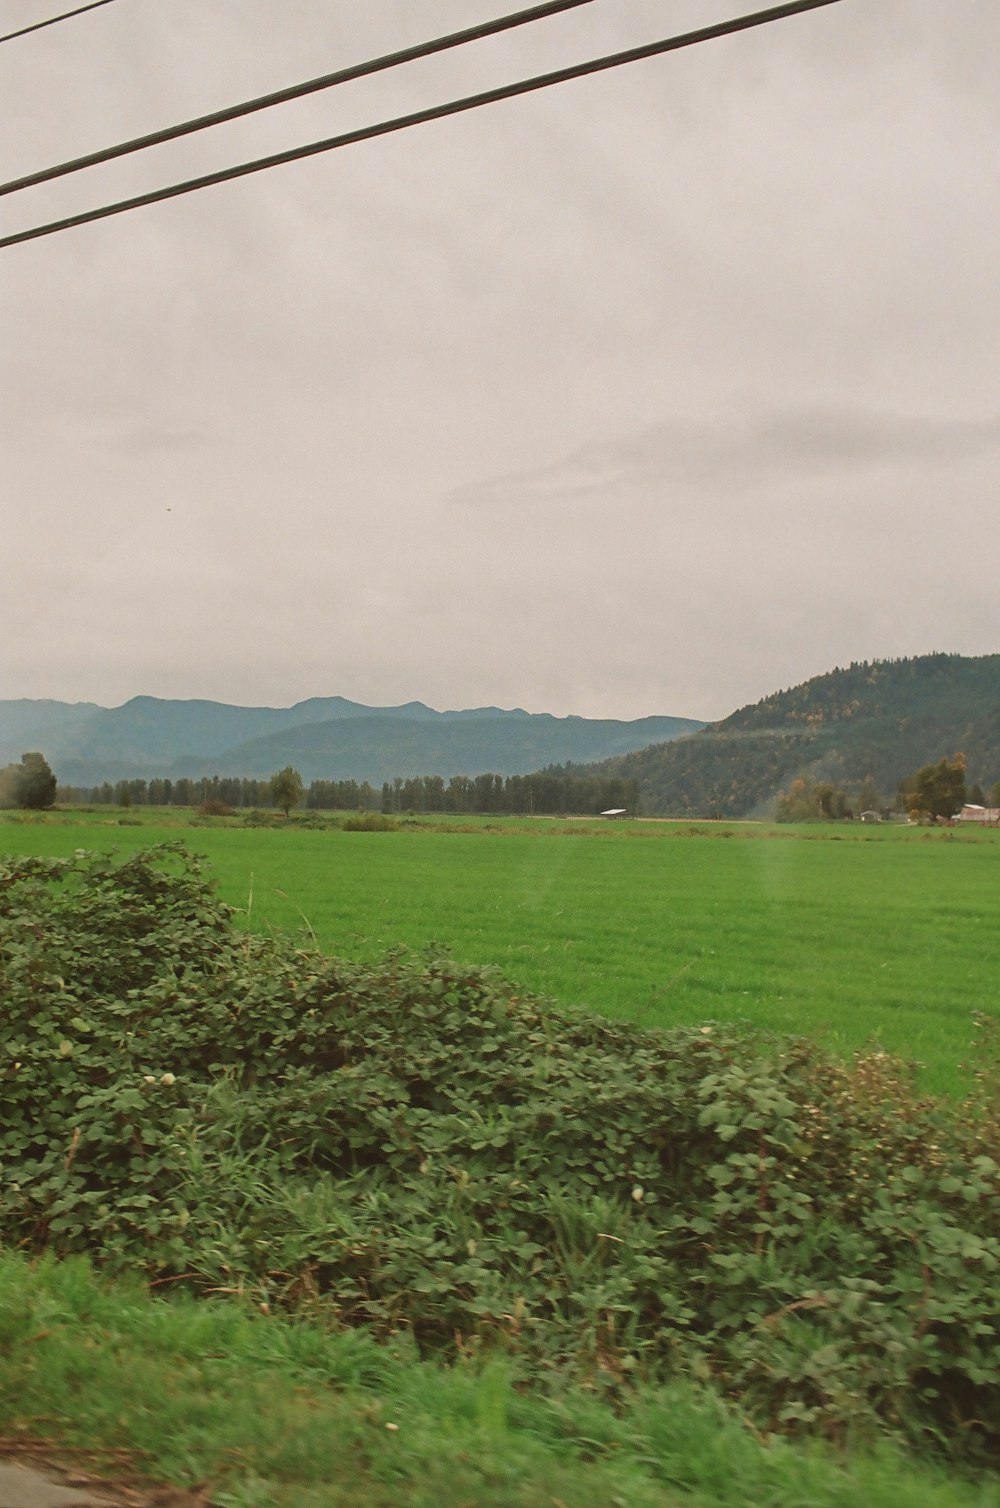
(651, 393)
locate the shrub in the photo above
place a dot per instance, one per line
(216, 808)
(370, 822)
(420, 1146)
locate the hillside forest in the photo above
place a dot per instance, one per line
(843, 741)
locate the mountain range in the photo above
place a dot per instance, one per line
(324, 738)
(876, 721)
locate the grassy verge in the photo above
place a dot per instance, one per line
(271, 1412)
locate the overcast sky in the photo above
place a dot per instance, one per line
(651, 393)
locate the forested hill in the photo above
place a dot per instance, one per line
(324, 738)
(875, 721)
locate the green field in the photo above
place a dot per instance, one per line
(853, 935)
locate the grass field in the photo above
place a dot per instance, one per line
(854, 935)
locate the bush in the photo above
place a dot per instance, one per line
(418, 1146)
(370, 822)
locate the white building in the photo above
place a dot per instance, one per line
(989, 815)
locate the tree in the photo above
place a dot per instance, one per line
(30, 784)
(286, 788)
(807, 801)
(937, 789)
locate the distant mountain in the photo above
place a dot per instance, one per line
(880, 719)
(28, 725)
(325, 738)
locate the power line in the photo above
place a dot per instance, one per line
(295, 91)
(420, 117)
(51, 21)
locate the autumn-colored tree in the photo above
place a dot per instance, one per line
(937, 789)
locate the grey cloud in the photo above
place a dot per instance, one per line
(740, 453)
(649, 393)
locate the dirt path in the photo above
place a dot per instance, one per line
(37, 1474)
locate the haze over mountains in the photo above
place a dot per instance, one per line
(325, 738)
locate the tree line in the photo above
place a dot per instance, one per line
(240, 793)
(554, 791)
(936, 790)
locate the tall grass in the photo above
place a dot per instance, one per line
(276, 1414)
